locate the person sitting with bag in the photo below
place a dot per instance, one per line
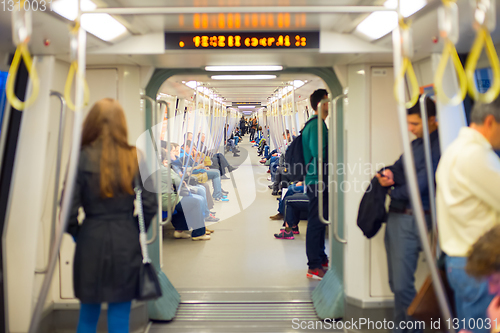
(108, 260)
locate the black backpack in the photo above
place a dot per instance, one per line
(295, 166)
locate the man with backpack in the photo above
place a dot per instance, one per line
(315, 236)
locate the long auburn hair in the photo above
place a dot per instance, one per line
(118, 162)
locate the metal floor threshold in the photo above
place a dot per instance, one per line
(239, 317)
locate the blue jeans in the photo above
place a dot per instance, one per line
(315, 234)
(118, 317)
(214, 175)
(200, 190)
(402, 245)
(471, 296)
(192, 206)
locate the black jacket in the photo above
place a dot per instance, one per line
(108, 254)
(372, 213)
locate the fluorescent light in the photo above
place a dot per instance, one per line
(243, 77)
(379, 24)
(69, 8)
(103, 26)
(246, 106)
(242, 68)
(408, 7)
(298, 83)
(191, 84)
(361, 72)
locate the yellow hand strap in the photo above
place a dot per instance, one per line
(71, 74)
(483, 38)
(69, 82)
(450, 51)
(22, 51)
(407, 68)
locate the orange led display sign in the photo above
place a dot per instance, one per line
(242, 41)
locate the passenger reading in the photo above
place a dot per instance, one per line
(291, 40)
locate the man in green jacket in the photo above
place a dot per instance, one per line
(315, 236)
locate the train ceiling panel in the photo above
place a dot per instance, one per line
(258, 91)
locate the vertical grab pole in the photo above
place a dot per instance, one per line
(428, 164)
(411, 177)
(72, 173)
(334, 160)
(158, 192)
(60, 136)
(320, 164)
(169, 179)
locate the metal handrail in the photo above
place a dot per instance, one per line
(158, 194)
(411, 178)
(428, 163)
(334, 164)
(169, 179)
(320, 164)
(57, 175)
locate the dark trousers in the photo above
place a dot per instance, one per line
(402, 244)
(220, 162)
(179, 220)
(294, 205)
(252, 134)
(315, 236)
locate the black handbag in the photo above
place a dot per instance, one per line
(149, 286)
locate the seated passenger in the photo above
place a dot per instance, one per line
(191, 206)
(194, 189)
(291, 190)
(218, 194)
(296, 207)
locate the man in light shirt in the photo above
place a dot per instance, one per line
(468, 205)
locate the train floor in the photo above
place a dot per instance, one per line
(243, 279)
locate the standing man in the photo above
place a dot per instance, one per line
(468, 205)
(402, 240)
(315, 235)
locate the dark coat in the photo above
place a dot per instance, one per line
(372, 213)
(108, 254)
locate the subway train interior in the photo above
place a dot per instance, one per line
(188, 72)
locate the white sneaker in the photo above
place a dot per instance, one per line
(269, 178)
(202, 237)
(181, 235)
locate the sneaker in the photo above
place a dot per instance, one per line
(315, 274)
(224, 192)
(295, 231)
(181, 235)
(263, 161)
(269, 178)
(224, 177)
(284, 235)
(236, 155)
(278, 216)
(325, 264)
(213, 213)
(211, 219)
(209, 230)
(202, 237)
(221, 199)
